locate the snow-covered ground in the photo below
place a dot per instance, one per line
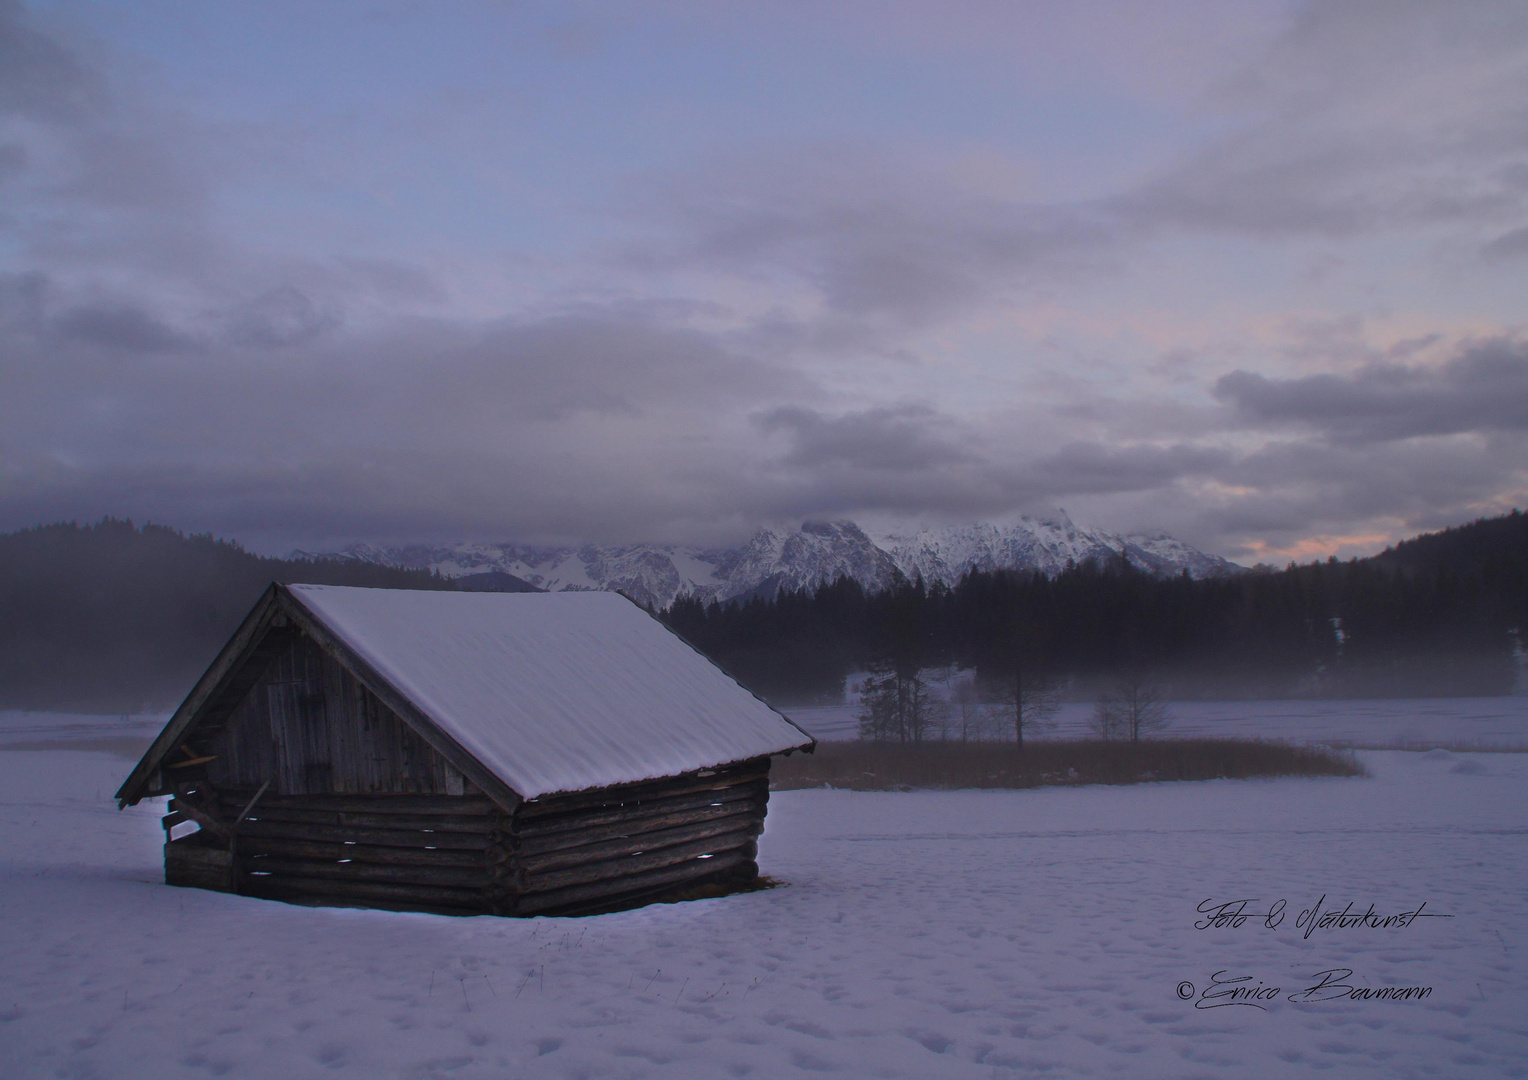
(927, 934)
(1487, 723)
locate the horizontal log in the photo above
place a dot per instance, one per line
(306, 888)
(613, 891)
(631, 825)
(730, 878)
(376, 837)
(421, 822)
(757, 789)
(447, 876)
(169, 821)
(198, 878)
(656, 840)
(282, 847)
(389, 803)
(725, 776)
(180, 853)
(626, 865)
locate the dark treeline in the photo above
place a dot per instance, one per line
(116, 617)
(1443, 614)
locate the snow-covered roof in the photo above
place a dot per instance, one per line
(554, 691)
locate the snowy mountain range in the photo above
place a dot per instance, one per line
(817, 552)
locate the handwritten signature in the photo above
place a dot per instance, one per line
(1233, 914)
(1332, 984)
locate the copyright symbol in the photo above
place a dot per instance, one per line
(1185, 989)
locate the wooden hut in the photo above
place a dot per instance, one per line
(519, 754)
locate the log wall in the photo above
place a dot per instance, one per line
(568, 854)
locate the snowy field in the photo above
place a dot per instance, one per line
(1487, 723)
(927, 934)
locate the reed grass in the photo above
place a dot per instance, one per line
(868, 766)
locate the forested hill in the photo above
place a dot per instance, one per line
(1443, 614)
(112, 617)
(1495, 548)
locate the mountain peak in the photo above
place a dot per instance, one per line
(816, 553)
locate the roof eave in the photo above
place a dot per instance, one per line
(808, 747)
(249, 634)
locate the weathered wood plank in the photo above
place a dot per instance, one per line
(333, 851)
(322, 888)
(635, 826)
(587, 818)
(391, 803)
(723, 777)
(655, 840)
(190, 853)
(405, 822)
(377, 837)
(191, 864)
(614, 890)
(624, 866)
(433, 876)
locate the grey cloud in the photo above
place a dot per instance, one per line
(124, 327)
(40, 78)
(1483, 389)
(876, 240)
(587, 425)
(603, 363)
(1509, 245)
(279, 318)
(13, 159)
(1368, 116)
(901, 439)
(1096, 468)
(1361, 118)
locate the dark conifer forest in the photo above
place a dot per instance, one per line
(118, 617)
(1444, 614)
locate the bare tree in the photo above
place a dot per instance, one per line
(896, 704)
(1133, 707)
(971, 712)
(1032, 699)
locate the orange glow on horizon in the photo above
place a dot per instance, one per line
(1316, 548)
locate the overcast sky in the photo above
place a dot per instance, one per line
(305, 273)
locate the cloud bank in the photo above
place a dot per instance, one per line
(1256, 281)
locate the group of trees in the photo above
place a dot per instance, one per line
(1444, 614)
(914, 707)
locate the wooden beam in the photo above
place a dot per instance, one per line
(635, 825)
(340, 891)
(380, 803)
(402, 838)
(622, 847)
(453, 877)
(626, 865)
(618, 890)
(335, 850)
(579, 820)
